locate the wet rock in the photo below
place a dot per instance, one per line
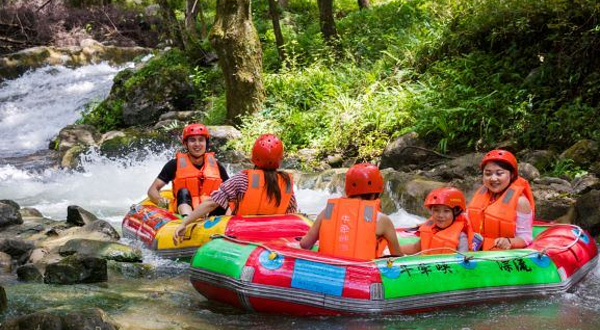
(558, 185)
(585, 183)
(90, 318)
(39, 320)
(77, 134)
(5, 263)
(104, 227)
(71, 158)
(29, 212)
(60, 319)
(106, 250)
(458, 168)
(582, 153)
(528, 171)
(407, 191)
(406, 150)
(29, 273)
(17, 248)
(11, 203)
(78, 216)
(9, 214)
(541, 159)
(587, 212)
(76, 269)
(132, 269)
(111, 135)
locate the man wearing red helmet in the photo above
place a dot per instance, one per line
(262, 190)
(353, 226)
(502, 210)
(195, 174)
(448, 229)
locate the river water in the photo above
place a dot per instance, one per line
(34, 107)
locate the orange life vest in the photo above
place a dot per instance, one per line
(255, 199)
(493, 219)
(432, 237)
(348, 228)
(200, 182)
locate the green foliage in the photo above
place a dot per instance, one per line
(105, 116)
(566, 168)
(464, 74)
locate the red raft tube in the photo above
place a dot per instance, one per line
(278, 277)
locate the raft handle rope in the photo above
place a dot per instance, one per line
(273, 253)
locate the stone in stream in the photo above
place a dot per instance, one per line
(17, 248)
(9, 214)
(29, 273)
(104, 227)
(76, 269)
(78, 216)
(59, 319)
(100, 249)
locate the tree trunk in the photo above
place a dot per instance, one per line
(274, 13)
(191, 12)
(170, 19)
(240, 57)
(327, 22)
(363, 4)
(202, 21)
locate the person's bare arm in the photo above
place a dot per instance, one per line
(385, 228)
(309, 240)
(154, 191)
(207, 206)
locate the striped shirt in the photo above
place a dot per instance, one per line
(233, 190)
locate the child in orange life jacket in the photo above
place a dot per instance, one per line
(503, 209)
(263, 190)
(195, 174)
(351, 226)
(447, 230)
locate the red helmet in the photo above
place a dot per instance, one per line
(363, 179)
(194, 129)
(500, 155)
(450, 197)
(267, 152)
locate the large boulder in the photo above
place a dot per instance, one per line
(220, 135)
(582, 153)
(9, 214)
(106, 250)
(459, 168)
(541, 159)
(156, 88)
(407, 150)
(76, 269)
